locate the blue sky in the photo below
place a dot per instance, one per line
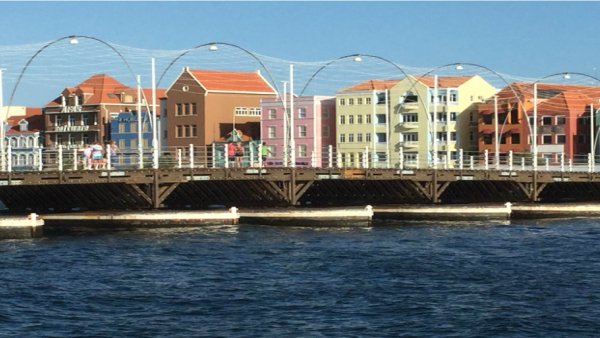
(529, 39)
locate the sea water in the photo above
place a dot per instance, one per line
(481, 279)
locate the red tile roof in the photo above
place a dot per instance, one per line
(371, 85)
(444, 81)
(217, 80)
(32, 115)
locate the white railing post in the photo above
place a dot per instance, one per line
(417, 159)
(313, 160)
(8, 157)
(214, 154)
(330, 155)
(60, 157)
(179, 160)
(191, 156)
(366, 158)
(460, 159)
(338, 160)
(522, 163)
(547, 164)
(510, 160)
(589, 162)
(471, 162)
(75, 159)
(40, 160)
(570, 164)
(562, 162)
(251, 161)
(401, 158)
(108, 157)
(485, 159)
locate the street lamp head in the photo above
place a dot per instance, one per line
(73, 40)
(459, 67)
(213, 47)
(566, 76)
(357, 58)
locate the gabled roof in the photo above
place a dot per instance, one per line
(444, 81)
(32, 115)
(370, 85)
(225, 81)
(565, 103)
(102, 88)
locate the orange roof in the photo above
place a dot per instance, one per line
(444, 81)
(32, 115)
(371, 85)
(218, 80)
(567, 102)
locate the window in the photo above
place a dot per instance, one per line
(85, 138)
(122, 127)
(368, 137)
(359, 137)
(381, 119)
(351, 137)
(453, 95)
(453, 116)
(272, 131)
(342, 102)
(560, 139)
(487, 138)
(325, 114)
(71, 139)
(342, 119)
(301, 131)
(412, 117)
(359, 119)
(350, 102)
(515, 138)
(133, 127)
(302, 113)
(342, 138)
(411, 137)
(546, 139)
(368, 100)
(381, 137)
(178, 109)
(359, 100)
(193, 110)
(325, 131)
(272, 114)
(368, 117)
(179, 131)
(350, 119)
(302, 150)
(546, 120)
(560, 120)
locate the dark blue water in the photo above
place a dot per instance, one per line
(400, 279)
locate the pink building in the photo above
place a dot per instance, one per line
(314, 129)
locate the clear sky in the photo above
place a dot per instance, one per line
(529, 39)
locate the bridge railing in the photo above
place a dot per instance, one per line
(216, 156)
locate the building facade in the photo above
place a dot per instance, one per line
(205, 106)
(313, 130)
(82, 114)
(24, 137)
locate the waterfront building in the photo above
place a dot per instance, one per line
(24, 136)
(563, 121)
(362, 126)
(423, 126)
(205, 106)
(125, 133)
(314, 130)
(82, 114)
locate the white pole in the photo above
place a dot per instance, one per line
(9, 155)
(330, 155)
(389, 128)
(75, 159)
(191, 156)
(373, 121)
(40, 160)
(401, 158)
(292, 117)
(497, 137)
(592, 136)
(435, 100)
(139, 125)
(154, 129)
(179, 158)
(448, 157)
(485, 158)
(285, 126)
(60, 157)
(460, 158)
(534, 131)
(3, 118)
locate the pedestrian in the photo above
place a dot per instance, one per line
(98, 156)
(114, 151)
(264, 153)
(87, 156)
(239, 154)
(231, 153)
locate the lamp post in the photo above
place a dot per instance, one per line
(2, 121)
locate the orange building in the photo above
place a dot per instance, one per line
(563, 117)
(204, 106)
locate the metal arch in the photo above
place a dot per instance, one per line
(52, 43)
(225, 44)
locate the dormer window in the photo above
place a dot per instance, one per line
(23, 125)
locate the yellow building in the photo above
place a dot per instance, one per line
(455, 127)
(363, 128)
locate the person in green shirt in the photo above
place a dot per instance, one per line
(264, 152)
